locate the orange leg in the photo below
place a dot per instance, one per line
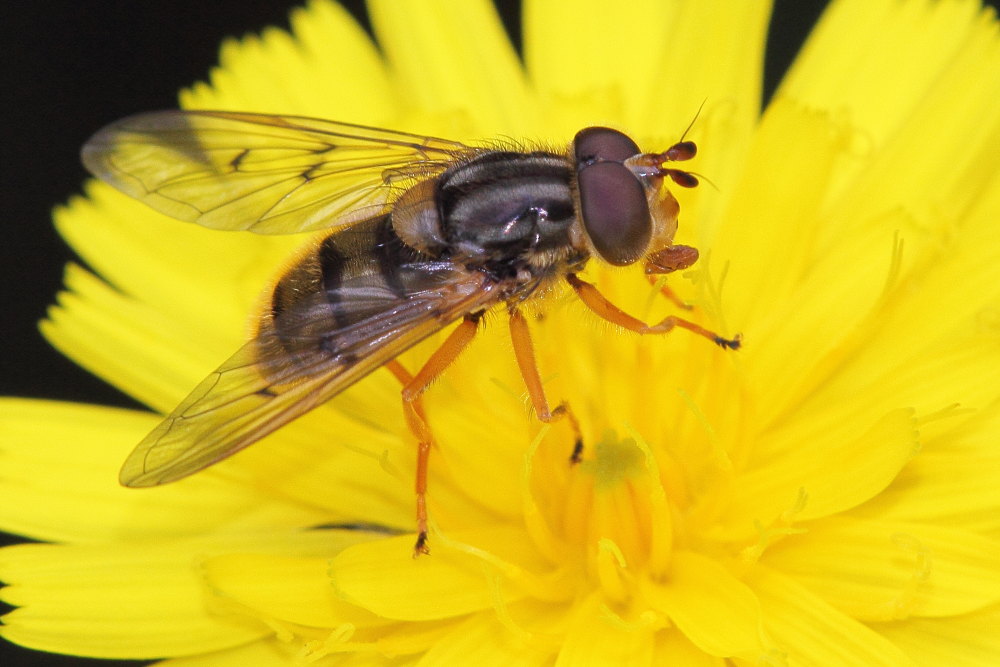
(598, 303)
(524, 351)
(413, 410)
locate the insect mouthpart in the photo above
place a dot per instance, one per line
(651, 165)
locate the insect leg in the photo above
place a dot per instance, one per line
(413, 410)
(598, 303)
(524, 351)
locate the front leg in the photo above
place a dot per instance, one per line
(598, 303)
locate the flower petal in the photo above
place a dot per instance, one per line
(138, 600)
(130, 602)
(125, 342)
(809, 631)
(698, 593)
(928, 54)
(484, 641)
(829, 473)
(455, 580)
(598, 636)
(953, 482)
(879, 570)
(673, 648)
(263, 653)
(276, 73)
(60, 463)
(970, 640)
(921, 348)
(454, 60)
(693, 51)
(793, 155)
(285, 588)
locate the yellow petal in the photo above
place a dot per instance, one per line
(598, 636)
(829, 473)
(454, 60)
(125, 602)
(767, 240)
(825, 314)
(932, 337)
(331, 70)
(880, 570)
(970, 640)
(673, 648)
(715, 610)
(484, 641)
(953, 482)
(289, 589)
(60, 463)
(263, 653)
(955, 369)
(585, 82)
(383, 578)
(935, 60)
(148, 336)
(128, 343)
(138, 600)
(693, 52)
(809, 631)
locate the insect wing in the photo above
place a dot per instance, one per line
(257, 172)
(280, 376)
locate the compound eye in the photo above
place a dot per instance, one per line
(615, 213)
(613, 201)
(602, 144)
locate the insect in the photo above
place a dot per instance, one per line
(421, 233)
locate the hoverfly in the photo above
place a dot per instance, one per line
(422, 233)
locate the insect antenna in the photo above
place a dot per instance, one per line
(681, 151)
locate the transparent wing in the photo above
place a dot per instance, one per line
(316, 353)
(263, 173)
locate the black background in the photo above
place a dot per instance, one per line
(71, 67)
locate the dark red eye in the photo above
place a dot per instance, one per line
(602, 144)
(614, 209)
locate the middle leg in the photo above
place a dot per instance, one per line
(524, 351)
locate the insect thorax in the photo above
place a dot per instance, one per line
(505, 212)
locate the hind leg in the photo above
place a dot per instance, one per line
(413, 410)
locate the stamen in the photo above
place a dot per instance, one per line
(611, 570)
(905, 603)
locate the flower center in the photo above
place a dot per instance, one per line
(608, 515)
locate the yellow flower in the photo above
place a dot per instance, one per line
(830, 494)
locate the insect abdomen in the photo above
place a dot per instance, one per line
(344, 297)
